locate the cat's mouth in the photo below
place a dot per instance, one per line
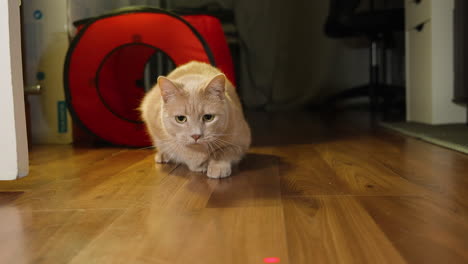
(195, 143)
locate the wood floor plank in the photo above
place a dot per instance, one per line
(331, 229)
(114, 182)
(418, 162)
(42, 154)
(310, 190)
(180, 189)
(256, 183)
(304, 172)
(362, 174)
(204, 236)
(423, 230)
(57, 163)
(49, 236)
(439, 171)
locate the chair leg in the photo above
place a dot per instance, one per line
(385, 104)
(374, 77)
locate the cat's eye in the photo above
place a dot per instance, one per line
(181, 119)
(208, 118)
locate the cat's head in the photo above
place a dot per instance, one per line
(194, 111)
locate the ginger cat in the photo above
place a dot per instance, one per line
(194, 117)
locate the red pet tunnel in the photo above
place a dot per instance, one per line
(105, 65)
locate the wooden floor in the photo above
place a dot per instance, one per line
(310, 191)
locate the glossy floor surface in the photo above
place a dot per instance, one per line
(310, 190)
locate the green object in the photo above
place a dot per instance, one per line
(40, 76)
(453, 136)
(62, 117)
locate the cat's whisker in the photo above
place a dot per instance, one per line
(211, 148)
(234, 147)
(172, 128)
(216, 146)
(223, 134)
(167, 142)
(170, 148)
(173, 150)
(149, 147)
(216, 149)
(228, 143)
(220, 147)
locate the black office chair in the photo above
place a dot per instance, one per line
(378, 25)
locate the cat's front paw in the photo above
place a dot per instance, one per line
(199, 168)
(219, 169)
(161, 158)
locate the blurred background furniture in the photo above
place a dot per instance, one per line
(378, 26)
(116, 57)
(460, 52)
(430, 63)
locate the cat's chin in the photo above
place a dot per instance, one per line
(195, 144)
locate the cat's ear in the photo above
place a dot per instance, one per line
(217, 86)
(168, 88)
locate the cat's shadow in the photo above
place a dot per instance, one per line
(287, 128)
(255, 181)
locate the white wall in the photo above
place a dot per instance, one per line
(13, 139)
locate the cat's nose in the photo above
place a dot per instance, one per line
(196, 137)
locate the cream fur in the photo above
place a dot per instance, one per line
(193, 90)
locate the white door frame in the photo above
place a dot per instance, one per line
(13, 135)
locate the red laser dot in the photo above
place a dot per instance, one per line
(271, 260)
